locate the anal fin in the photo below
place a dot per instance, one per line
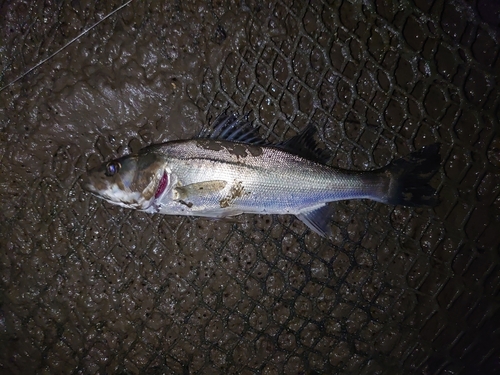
(318, 219)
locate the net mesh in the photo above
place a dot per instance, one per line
(86, 287)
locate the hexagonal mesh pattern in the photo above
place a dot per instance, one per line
(87, 287)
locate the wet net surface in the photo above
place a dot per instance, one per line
(86, 287)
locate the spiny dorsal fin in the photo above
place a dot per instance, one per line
(232, 128)
(304, 145)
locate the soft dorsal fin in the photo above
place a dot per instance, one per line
(304, 145)
(232, 128)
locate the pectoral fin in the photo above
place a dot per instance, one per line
(318, 219)
(198, 189)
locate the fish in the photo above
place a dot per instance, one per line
(229, 169)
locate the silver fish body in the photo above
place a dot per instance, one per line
(220, 176)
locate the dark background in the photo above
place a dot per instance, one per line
(86, 287)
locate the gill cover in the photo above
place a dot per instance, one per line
(131, 181)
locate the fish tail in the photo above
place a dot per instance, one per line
(409, 178)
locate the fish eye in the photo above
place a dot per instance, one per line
(112, 168)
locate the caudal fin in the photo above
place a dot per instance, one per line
(410, 176)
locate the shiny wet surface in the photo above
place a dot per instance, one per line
(87, 287)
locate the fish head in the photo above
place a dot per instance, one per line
(133, 181)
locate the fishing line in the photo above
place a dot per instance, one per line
(66, 45)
